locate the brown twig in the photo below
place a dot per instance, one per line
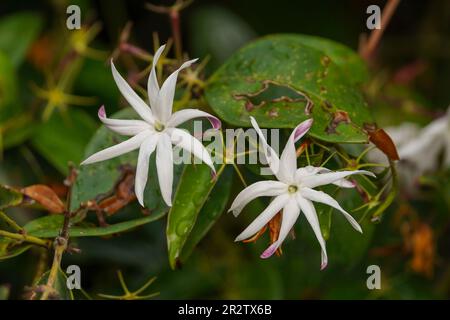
(60, 245)
(174, 14)
(368, 47)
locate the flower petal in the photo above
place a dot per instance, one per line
(322, 197)
(123, 127)
(164, 166)
(152, 83)
(427, 144)
(119, 149)
(145, 151)
(184, 140)
(133, 99)
(264, 217)
(310, 170)
(330, 177)
(310, 213)
(288, 159)
(167, 92)
(271, 156)
(291, 212)
(184, 115)
(302, 129)
(258, 189)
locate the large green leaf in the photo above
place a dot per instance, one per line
(210, 213)
(50, 226)
(63, 138)
(196, 183)
(348, 60)
(100, 178)
(17, 33)
(272, 78)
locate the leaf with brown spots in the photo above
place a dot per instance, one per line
(45, 196)
(282, 80)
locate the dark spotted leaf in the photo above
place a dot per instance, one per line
(282, 81)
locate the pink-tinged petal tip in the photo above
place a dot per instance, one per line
(215, 122)
(102, 112)
(303, 128)
(349, 183)
(323, 266)
(269, 251)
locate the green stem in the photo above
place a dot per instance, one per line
(60, 247)
(10, 222)
(376, 216)
(25, 238)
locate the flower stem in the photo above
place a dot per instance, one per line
(376, 216)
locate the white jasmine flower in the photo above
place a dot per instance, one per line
(293, 192)
(423, 149)
(418, 148)
(157, 131)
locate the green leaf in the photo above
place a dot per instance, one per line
(50, 226)
(9, 249)
(60, 286)
(9, 197)
(17, 33)
(8, 87)
(349, 61)
(63, 138)
(195, 185)
(100, 178)
(15, 126)
(210, 213)
(345, 245)
(18, 133)
(95, 80)
(272, 79)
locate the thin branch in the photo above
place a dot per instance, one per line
(368, 47)
(10, 222)
(174, 14)
(25, 238)
(60, 245)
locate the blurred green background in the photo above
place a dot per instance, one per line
(412, 248)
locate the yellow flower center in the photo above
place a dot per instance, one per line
(159, 126)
